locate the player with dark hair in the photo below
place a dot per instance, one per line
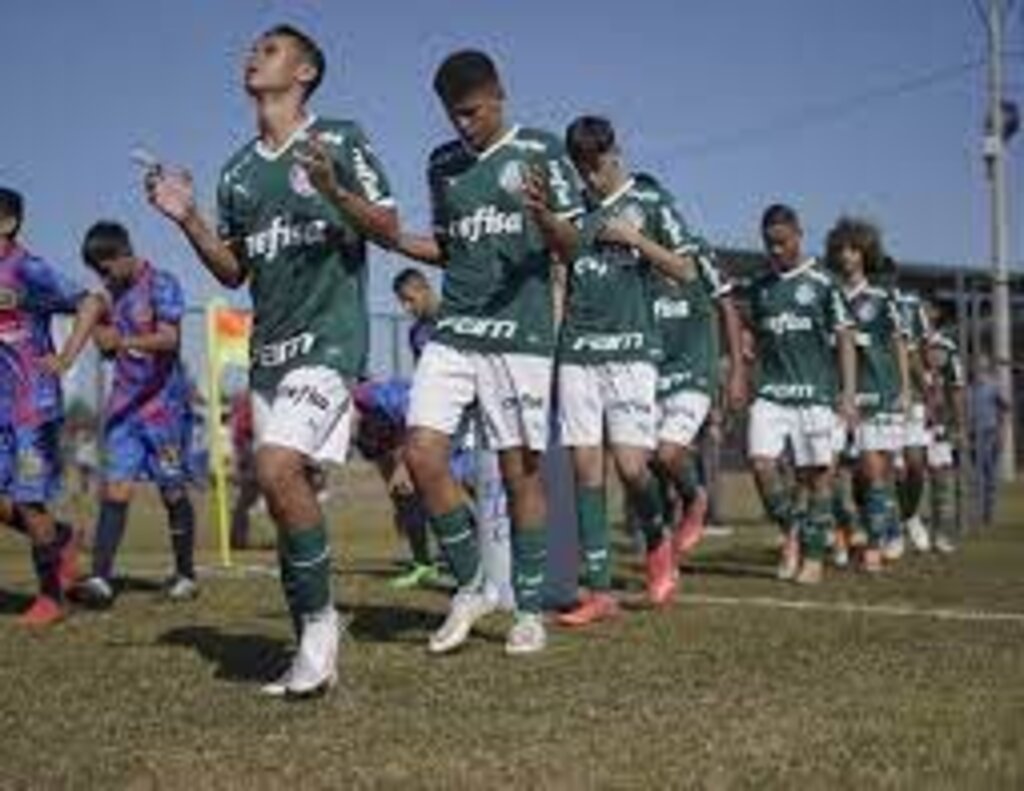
(32, 291)
(854, 253)
(297, 206)
(148, 422)
(795, 309)
(420, 302)
(502, 198)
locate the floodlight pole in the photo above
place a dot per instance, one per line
(995, 160)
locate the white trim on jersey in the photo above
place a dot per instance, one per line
(609, 199)
(273, 155)
(502, 141)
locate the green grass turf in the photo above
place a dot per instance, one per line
(702, 695)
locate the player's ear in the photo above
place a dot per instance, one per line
(8, 225)
(307, 75)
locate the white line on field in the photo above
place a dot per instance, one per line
(891, 610)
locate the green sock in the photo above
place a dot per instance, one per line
(649, 507)
(777, 500)
(687, 481)
(306, 571)
(592, 522)
(840, 506)
(875, 512)
(909, 489)
(456, 535)
(529, 557)
(816, 526)
(943, 512)
(288, 585)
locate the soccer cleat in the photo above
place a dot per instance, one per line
(67, 570)
(811, 572)
(871, 561)
(592, 608)
(893, 549)
(314, 668)
(527, 635)
(858, 539)
(94, 592)
(943, 545)
(789, 557)
(181, 588)
(841, 548)
(468, 606)
(917, 533)
(43, 612)
(662, 577)
(690, 529)
(419, 574)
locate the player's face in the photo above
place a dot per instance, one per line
(782, 243)
(851, 261)
(116, 273)
(415, 300)
(478, 117)
(8, 228)
(599, 173)
(275, 65)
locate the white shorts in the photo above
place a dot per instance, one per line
(915, 428)
(617, 396)
(881, 433)
(681, 415)
(940, 449)
(809, 430)
(311, 412)
(513, 392)
(841, 437)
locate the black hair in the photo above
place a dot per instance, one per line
(464, 72)
(862, 236)
(12, 207)
(311, 51)
(407, 277)
(104, 241)
(588, 137)
(779, 214)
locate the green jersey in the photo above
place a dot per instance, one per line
(496, 295)
(878, 325)
(608, 312)
(916, 330)
(794, 315)
(947, 370)
(686, 313)
(306, 261)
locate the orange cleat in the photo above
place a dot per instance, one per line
(592, 608)
(662, 578)
(690, 530)
(43, 612)
(67, 572)
(871, 560)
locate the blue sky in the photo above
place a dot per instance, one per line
(733, 103)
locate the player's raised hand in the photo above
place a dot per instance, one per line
(316, 159)
(107, 339)
(55, 364)
(171, 192)
(535, 191)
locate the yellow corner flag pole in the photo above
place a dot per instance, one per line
(214, 435)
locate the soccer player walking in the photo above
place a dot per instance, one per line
(795, 308)
(854, 252)
(502, 199)
(32, 291)
(296, 206)
(148, 423)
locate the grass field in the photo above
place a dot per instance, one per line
(914, 680)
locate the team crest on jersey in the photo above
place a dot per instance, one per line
(866, 312)
(805, 294)
(511, 177)
(633, 214)
(299, 181)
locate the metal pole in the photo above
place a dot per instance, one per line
(995, 155)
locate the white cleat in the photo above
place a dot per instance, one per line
(314, 668)
(94, 592)
(943, 545)
(527, 635)
(180, 588)
(893, 549)
(468, 606)
(918, 534)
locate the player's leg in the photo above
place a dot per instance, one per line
(814, 460)
(910, 485)
(942, 485)
(874, 473)
(770, 425)
(166, 460)
(444, 385)
(307, 422)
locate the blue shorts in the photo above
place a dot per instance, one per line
(139, 451)
(30, 464)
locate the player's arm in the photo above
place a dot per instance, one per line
(618, 230)
(737, 386)
(89, 312)
(166, 338)
(560, 234)
(903, 366)
(422, 248)
(173, 195)
(839, 319)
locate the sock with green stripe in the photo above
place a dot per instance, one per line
(942, 497)
(875, 512)
(592, 522)
(456, 536)
(817, 525)
(649, 507)
(777, 500)
(841, 512)
(687, 480)
(306, 570)
(529, 557)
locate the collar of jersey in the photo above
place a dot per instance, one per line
(270, 155)
(808, 264)
(608, 200)
(499, 143)
(856, 290)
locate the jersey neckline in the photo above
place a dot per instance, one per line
(272, 155)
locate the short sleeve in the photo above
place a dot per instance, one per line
(564, 184)
(168, 299)
(49, 290)
(837, 312)
(229, 226)
(362, 168)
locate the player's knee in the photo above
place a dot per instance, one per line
(763, 467)
(426, 460)
(278, 471)
(172, 495)
(669, 457)
(635, 472)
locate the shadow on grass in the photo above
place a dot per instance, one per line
(387, 623)
(735, 561)
(14, 602)
(238, 657)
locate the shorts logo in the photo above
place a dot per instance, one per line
(511, 177)
(805, 294)
(305, 394)
(299, 181)
(525, 402)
